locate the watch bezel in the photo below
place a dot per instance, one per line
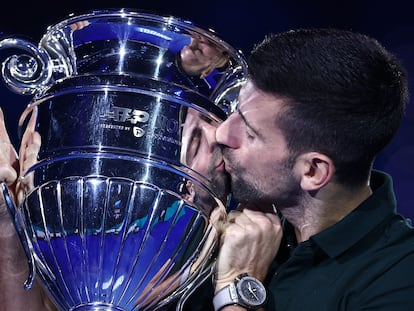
(245, 301)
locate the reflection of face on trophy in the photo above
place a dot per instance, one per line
(201, 56)
(201, 153)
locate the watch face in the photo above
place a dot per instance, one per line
(251, 291)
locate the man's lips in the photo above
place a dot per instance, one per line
(224, 166)
(221, 166)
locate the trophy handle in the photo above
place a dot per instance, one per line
(27, 72)
(11, 207)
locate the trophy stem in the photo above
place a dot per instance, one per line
(94, 307)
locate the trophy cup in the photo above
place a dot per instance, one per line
(114, 214)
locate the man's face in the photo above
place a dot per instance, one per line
(255, 151)
(201, 152)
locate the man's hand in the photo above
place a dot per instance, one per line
(249, 244)
(8, 173)
(13, 261)
(8, 155)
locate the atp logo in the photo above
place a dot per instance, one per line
(127, 116)
(127, 119)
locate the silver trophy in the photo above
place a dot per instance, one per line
(119, 204)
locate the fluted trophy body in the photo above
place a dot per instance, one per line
(121, 203)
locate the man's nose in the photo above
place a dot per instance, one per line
(225, 135)
(195, 41)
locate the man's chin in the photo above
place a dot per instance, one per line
(222, 191)
(243, 193)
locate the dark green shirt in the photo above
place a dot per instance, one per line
(363, 262)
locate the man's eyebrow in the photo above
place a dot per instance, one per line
(248, 124)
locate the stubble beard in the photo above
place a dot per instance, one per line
(282, 190)
(219, 181)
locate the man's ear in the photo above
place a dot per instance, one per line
(315, 169)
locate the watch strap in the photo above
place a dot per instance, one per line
(225, 297)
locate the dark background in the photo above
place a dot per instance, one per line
(242, 23)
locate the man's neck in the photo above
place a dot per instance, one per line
(324, 209)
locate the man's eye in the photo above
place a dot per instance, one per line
(249, 134)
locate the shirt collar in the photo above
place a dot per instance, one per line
(374, 210)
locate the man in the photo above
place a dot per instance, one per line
(317, 108)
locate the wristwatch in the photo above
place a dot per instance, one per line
(245, 291)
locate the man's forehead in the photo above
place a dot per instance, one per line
(252, 99)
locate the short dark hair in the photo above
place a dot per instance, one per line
(345, 94)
